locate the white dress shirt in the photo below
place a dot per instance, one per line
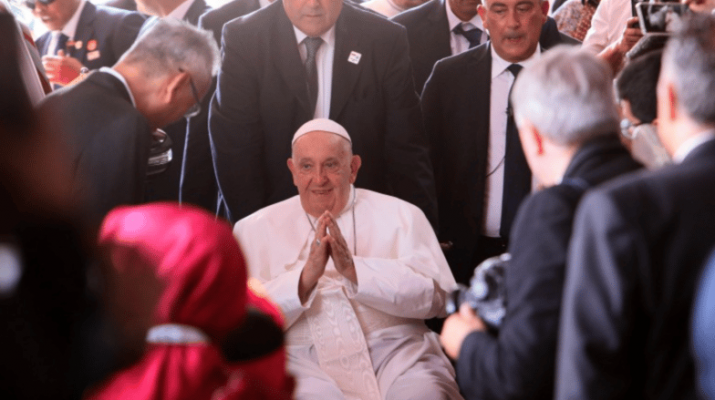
(388, 8)
(607, 25)
(324, 63)
(458, 43)
(502, 79)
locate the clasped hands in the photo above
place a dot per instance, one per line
(61, 69)
(328, 243)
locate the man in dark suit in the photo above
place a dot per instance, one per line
(480, 171)
(443, 28)
(165, 186)
(296, 60)
(198, 184)
(638, 247)
(571, 146)
(109, 117)
(82, 35)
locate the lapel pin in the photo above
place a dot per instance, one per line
(78, 44)
(92, 45)
(93, 55)
(354, 57)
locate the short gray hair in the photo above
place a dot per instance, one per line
(170, 45)
(567, 94)
(689, 62)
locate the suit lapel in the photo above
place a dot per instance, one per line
(479, 85)
(84, 33)
(287, 58)
(345, 73)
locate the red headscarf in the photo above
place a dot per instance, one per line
(204, 275)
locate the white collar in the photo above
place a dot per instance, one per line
(499, 65)
(70, 28)
(691, 144)
(453, 20)
(264, 3)
(180, 11)
(121, 78)
(176, 334)
(328, 37)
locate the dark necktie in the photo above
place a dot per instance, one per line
(312, 44)
(61, 43)
(473, 36)
(517, 175)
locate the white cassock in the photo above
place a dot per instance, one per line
(366, 341)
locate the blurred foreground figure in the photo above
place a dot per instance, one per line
(54, 337)
(202, 306)
(703, 329)
(356, 273)
(639, 244)
(568, 126)
(109, 117)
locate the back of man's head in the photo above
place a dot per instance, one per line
(689, 63)
(637, 82)
(567, 95)
(171, 45)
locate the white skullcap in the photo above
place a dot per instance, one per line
(322, 125)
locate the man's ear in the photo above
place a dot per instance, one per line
(174, 86)
(672, 97)
(355, 164)
(291, 167)
(539, 141)
(545, 9)
(482, 11)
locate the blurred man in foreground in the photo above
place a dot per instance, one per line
(639, 244)
(568, 125)
(356, 273)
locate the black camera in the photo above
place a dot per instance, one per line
(486, 293)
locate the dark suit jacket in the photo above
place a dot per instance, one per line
(108, 139)
(262, 99)
(165, 186)
(519, 362)
(198, 177)
(637, 250)
(455, 106)
(112, 30)
(429, 35)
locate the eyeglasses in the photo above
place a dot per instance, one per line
(32, 3)
(628, 129)
(196, 108)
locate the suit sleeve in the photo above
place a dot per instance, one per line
(598, 304)
(235, 128)
(519, 362)
(410, 172)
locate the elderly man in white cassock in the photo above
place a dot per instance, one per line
(356, 273)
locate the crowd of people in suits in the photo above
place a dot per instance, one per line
(591, 164)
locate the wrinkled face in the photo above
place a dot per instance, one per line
(323, 169)
(313, 17)
(55, 15)
(514, 26)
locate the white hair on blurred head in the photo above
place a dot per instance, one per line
(567, 94)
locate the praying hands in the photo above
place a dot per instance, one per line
(328, 242)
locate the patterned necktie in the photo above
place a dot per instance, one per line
(473, 36)
(61, 44)
(312, 44)
(517, 175)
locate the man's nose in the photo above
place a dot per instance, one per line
(512, 19)
(321, 175)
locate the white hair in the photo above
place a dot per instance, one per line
(567, 94)
(170, 45)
